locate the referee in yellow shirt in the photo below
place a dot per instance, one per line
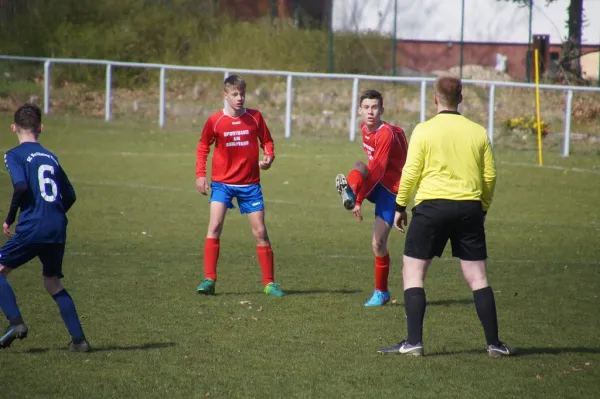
(451, 166)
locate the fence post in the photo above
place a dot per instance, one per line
(161, 105)
(354, 109)
(107, 115)
(423, 99)
(567, 139)
(491, 114)
(288, 108)
(47, 87)
(225, 76)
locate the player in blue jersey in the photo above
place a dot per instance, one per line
(42, 195)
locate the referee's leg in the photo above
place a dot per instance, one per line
(413, 276)
(469, 245)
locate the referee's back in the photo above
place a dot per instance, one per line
(456, 159)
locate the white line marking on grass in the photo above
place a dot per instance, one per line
(341, 256)
(191, 191)
(589, 223)
(563, 168)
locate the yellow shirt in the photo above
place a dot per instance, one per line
(449, 157)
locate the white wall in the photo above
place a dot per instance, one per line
(485, 20)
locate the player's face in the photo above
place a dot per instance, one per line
(235, 98)
(371, 111)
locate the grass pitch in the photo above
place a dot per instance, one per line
(134, 258)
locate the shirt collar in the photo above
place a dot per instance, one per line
(449, 112)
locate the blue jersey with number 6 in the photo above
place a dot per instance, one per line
(42, 216)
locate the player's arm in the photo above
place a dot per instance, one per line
(383, 146)
(202, 150)
(266, 143)
(412, 171)
(67, 192)
(20, 187)
(488, 176)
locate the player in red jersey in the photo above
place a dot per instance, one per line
(386, 148)
(237, 133)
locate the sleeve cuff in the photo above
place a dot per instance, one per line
(400, 208)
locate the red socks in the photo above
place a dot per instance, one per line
(265, 258)
(211, 256)
(355, 180)
(382, 270)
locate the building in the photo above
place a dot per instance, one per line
(428, 32)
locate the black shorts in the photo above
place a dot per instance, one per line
(435, 221)
(15, 253)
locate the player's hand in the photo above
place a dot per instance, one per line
(7, 231)
(266, 162)
(400, 221)
(357, 212)
(202, 185)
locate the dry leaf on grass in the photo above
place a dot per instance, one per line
(245, 302)
(539, 377)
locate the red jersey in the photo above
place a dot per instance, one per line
(236, 140)
(386, 150)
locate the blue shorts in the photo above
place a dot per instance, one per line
(249, 198)
(15, 253)
(385, 203)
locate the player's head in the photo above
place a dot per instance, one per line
(370, 107)
(448, 91)
(28, 120)
(234, 92)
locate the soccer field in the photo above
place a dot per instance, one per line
(134, 258)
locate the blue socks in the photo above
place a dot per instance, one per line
(8, 302)
(69, 314)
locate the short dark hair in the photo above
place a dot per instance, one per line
(371, 95)
(29, 117)
(235, 81)
(448, 89)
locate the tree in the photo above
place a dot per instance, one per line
(571, 54)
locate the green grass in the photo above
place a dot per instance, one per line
(154, 337)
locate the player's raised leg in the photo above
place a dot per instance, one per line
(8, 303)
(348, 187)
(381, 232)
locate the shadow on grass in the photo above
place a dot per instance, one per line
(294, 292)
(451, 302)
(147, 346)
(443, 302)
(308, 292)
(522, 352)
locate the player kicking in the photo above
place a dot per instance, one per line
(43, 194)
(237, 133)
(386, 147)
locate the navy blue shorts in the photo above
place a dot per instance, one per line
(15, 253)
(249, 198)
(385, 203)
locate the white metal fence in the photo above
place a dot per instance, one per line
(491, 85)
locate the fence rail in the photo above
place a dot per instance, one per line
(289, 92)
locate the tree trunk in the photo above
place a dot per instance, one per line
(572, 49)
